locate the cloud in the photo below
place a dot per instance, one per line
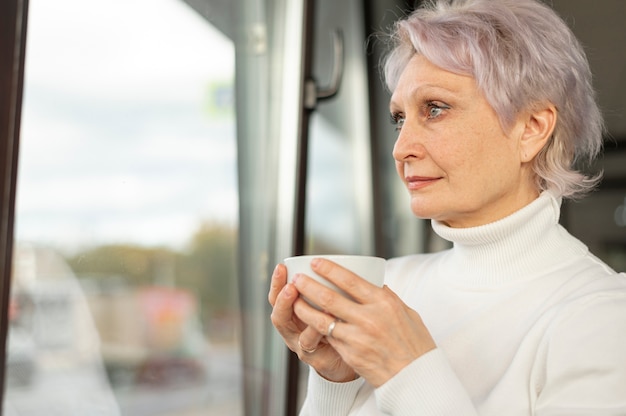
(116, 141)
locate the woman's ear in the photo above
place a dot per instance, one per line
(537, 131)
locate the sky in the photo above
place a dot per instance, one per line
(118, 142)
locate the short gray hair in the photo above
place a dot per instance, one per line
(521, 54)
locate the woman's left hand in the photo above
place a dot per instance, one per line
(376, 333)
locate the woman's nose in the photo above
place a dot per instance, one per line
(408, 145)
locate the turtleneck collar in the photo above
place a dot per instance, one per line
(523, 245)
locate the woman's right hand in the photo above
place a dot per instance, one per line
(310, 346)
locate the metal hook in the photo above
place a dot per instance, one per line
(314, 94)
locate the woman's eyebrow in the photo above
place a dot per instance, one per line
(419, 90)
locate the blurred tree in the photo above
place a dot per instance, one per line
(137, 265)
(206, 268)
(209, 266)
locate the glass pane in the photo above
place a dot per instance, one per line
(339, 192)
(124, 294)
(268, 85)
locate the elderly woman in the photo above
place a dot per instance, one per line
(493, 105)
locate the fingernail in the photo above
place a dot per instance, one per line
(289, 291)
(275, 272)
(315, 262)
(297, 277)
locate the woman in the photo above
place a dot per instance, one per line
(493, 105)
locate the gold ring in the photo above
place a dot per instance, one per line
(309, 351)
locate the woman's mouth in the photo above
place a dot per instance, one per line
(415, 183)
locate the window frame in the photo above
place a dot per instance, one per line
(13, 19)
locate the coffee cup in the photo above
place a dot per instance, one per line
(369, 268)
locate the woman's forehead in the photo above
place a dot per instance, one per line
(421, 76)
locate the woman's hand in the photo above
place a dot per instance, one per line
(311, 346)
(377, 335)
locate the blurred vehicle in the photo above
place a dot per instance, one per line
(150, 336)
(53, 356)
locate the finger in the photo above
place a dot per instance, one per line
(360, 289)
(327, 300)
(282, 314)
(309, 340)
(320, 324)
(279, 279)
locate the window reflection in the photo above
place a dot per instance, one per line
(54, 364)
(124, 295)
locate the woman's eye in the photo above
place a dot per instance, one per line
(397, 120)
(435, 110)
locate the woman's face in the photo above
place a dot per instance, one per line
(457, 163)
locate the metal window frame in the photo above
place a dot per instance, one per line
(13, 19)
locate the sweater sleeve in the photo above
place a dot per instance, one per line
(585, 360)
(328, 398)
(428, 386)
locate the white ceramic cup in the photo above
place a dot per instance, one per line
(369, 268)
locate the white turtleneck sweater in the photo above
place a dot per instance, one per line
(526, 322)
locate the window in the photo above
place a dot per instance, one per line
(124, 295)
